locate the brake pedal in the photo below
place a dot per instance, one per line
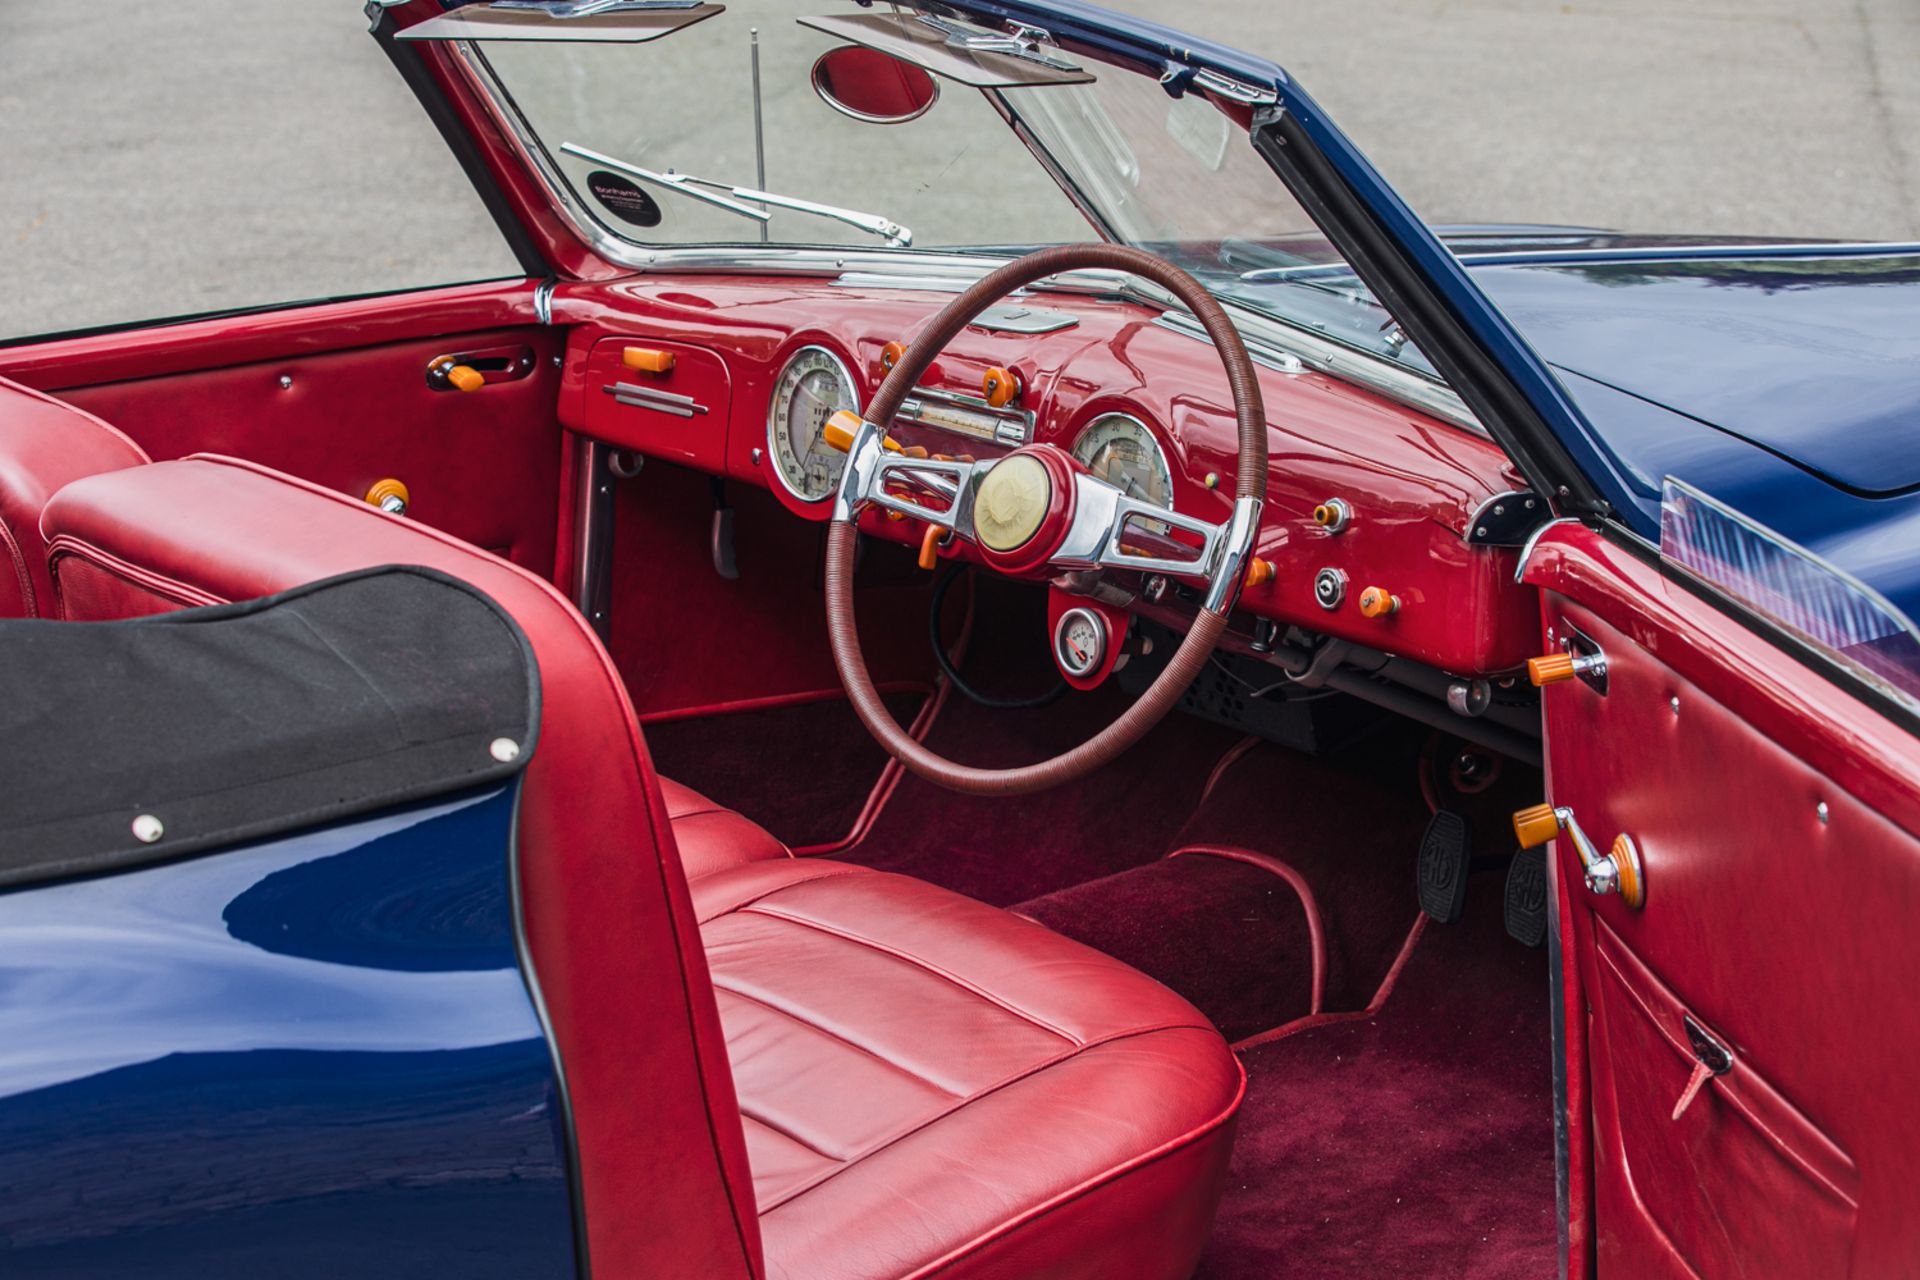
(1446, 854)
(1527, 896)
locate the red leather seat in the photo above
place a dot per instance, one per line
(920, 1084)
(44, 443)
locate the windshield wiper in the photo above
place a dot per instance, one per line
(686, 184)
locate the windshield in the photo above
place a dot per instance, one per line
(662, 146)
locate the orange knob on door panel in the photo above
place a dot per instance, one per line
(1626, 870)
(1376, 603)
(465, 377)
(390, 496)
(647, 359)
(1259, 572)
(891, 354)
(1552, 668)
(1535, 826)
(1000, 386)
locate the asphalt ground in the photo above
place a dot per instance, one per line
(159, 159)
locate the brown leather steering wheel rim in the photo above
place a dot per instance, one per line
(1249, 483)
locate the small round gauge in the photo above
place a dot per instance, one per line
(812, 387)
(1119, 449)
(1080, 642)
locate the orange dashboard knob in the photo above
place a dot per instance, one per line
(1552, 668)
(892, 354)
(1259, 572)
(647, 359)
(465, 378)
(930, 546)
(1001, 387)
(1378, 603)
(1536, 825)
(839, 430)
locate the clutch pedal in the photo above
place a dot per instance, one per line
(1527, 896)
(1446, 855)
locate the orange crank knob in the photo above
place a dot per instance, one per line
(892, 354)
(1259, 572)
(1001, 387)
(1376, 602)
(1536, 825)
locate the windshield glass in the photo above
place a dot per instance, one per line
(661, 145)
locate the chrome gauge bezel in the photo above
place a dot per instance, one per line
(784, 384)
(1162, 471)
(1077, 670)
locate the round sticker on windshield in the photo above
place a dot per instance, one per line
(623, 198)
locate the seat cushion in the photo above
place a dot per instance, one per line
(930, 1085)
(44, 443)
(712, 837)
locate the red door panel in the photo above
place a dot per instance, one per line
(1782, 891)
(482, 465)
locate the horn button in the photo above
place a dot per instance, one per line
(1023, 508)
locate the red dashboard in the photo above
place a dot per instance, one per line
(718, 345)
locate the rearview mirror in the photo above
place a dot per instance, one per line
(872, 86)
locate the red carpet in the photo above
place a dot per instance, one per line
(1417, 1142)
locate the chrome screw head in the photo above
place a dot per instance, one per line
(1673, 704)
(1821, 812)
(147, 828)
(286, 382)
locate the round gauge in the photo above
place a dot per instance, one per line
(812, 387)
(1119, 449)
(1080, 642)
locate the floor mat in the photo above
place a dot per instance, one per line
(803, 771)
(1418, 1141)
(1349, 826)
(1231, 938)
(1005, 849)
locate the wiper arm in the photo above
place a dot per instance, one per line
(686, 184)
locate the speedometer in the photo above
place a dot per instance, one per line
(1119, 449)
(812, 387)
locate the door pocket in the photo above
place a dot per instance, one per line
(1740, 1182)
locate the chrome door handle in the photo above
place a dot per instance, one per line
(1619, 870)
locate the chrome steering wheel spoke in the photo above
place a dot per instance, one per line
(874, 475)
(1113, 531)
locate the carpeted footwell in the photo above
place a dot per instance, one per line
(1414, 1142)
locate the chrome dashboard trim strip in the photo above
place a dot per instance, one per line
(650, 398)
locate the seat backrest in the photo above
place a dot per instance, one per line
(611, 935)
(44, 443)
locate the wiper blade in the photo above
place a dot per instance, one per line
(686, 184)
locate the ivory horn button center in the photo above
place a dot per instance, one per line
(1012, 503)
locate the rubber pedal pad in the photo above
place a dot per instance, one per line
(1446, 855)
(1527, 897)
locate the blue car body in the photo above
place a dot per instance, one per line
(323, 1037)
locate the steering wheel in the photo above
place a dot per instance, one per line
(1038, 508)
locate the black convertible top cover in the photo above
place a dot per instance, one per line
(130, 742)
